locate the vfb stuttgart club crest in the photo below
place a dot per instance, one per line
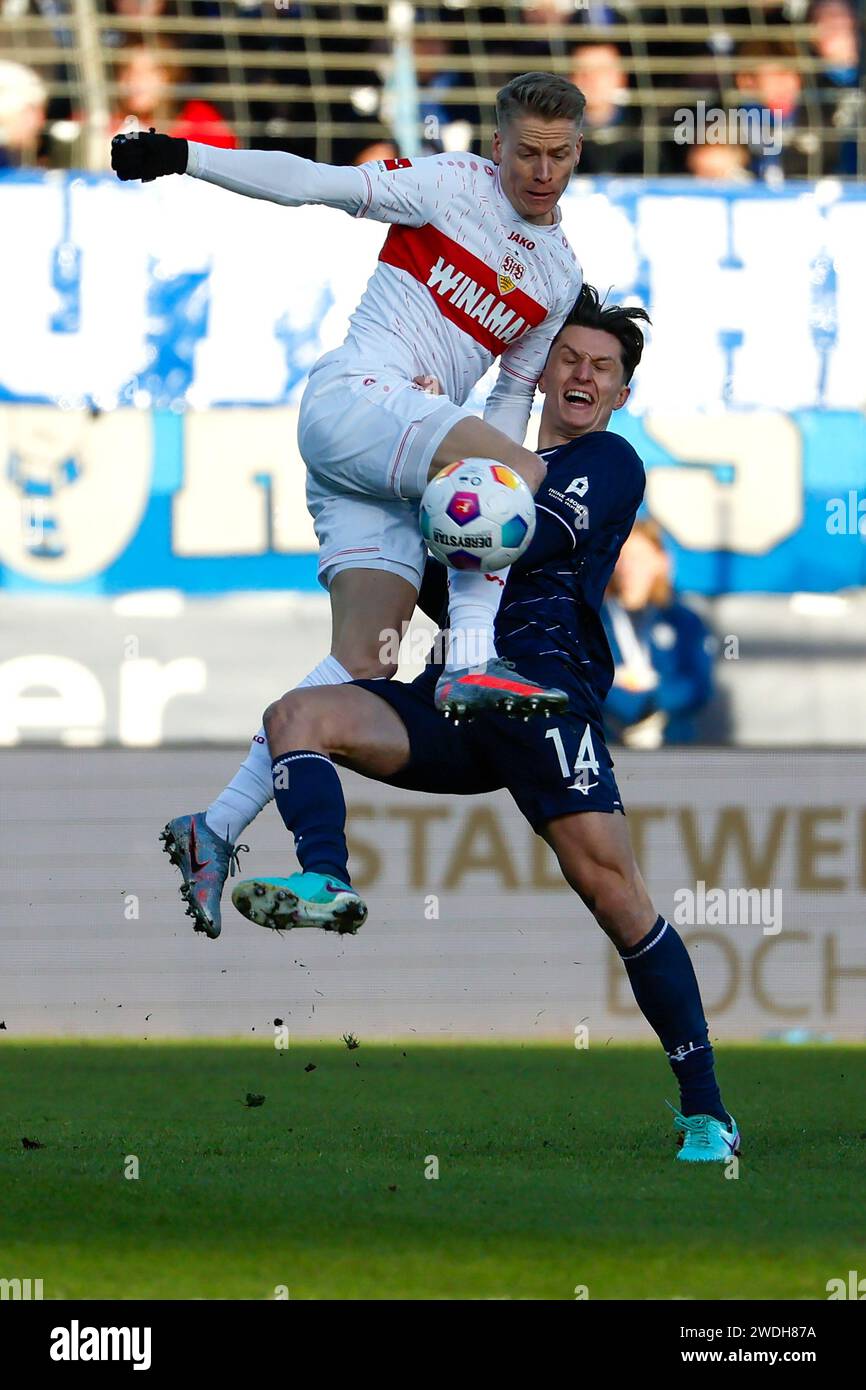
(510, 274)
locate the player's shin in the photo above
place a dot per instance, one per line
(252, 788)
(310, 800)
(473, 602)
(665, 986)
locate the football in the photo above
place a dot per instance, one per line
(477, 515)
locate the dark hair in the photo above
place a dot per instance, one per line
(771, 50)
(544, 94)
(618, 319)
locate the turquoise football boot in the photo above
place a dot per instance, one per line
(205, 861)
(706, 1139)
(302, 900)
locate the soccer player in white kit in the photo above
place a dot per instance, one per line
(475, 266)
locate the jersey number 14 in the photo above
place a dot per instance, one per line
(585, 764)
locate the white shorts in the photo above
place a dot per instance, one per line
(368, 440)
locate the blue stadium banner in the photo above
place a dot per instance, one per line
(156, 341)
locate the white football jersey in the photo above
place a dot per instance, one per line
(462, 278)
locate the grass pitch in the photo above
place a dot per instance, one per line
(556, 1169)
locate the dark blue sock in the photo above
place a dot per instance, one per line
(666, 988)
(310, 800)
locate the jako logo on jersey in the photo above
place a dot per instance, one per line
(510, 271)
(464, 287)
(579, 485)
(521, 240)
(392, 164)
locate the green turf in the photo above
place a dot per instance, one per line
(556, 1169)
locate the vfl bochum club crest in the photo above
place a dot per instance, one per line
(73, 488)
(510, 274)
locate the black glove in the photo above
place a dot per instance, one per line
(146, 156)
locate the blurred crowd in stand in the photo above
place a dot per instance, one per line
(321, 80)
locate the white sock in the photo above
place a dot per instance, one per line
(328, 672)
(252, 786)
(473, 602)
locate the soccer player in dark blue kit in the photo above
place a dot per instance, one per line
(559, 772)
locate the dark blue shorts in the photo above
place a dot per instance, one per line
(552, 767)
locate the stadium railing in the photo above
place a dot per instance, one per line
(322, 79)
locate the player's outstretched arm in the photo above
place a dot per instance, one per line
(378, 190)
(271, 174)
(280, 177)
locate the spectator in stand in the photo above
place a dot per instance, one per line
(141, 9)
(23, 99)
(319, 127)
(537, 18)
(840, 94)
(662, 651)
(146, 83)
(434, 78)
(195, 38)
(193, 10)
(836, 42)
(727, 162)
(772, 87)
(356, 92)
(612, 141)
(710, 28)
(288, 123)
(377, 149)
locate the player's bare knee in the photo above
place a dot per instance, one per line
(273, 718)
(289, 721)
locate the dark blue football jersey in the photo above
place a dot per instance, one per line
(549, 622)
